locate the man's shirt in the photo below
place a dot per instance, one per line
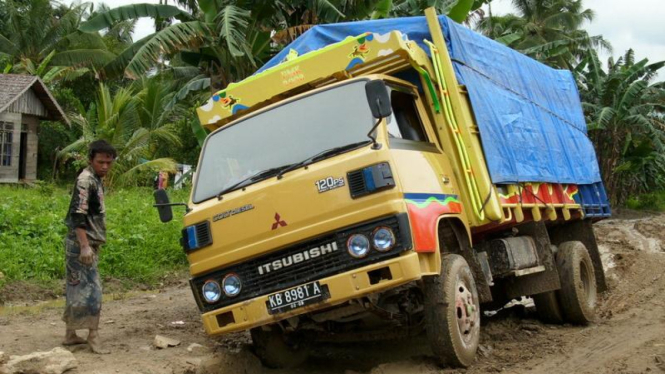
(86, 209)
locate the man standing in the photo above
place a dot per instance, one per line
(87, 232)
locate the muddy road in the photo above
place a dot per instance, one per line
(629, 336)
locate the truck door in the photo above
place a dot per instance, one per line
(423, 166)
(424, 170)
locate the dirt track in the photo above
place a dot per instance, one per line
(629, 336)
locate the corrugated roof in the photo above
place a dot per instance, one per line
(12, 86)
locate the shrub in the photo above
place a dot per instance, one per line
(139, 247)
(650, 201)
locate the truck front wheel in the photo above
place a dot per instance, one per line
(452, 312)
(277, 350)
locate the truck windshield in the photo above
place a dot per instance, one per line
(282, 136)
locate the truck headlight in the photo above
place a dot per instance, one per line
(211, 292)
(232, 285)
(383, 239)
(358, 245)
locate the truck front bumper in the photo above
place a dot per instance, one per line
(342, 287)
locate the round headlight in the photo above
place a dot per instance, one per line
(211, 292)
(383, 239)
(232, 285)
(358, 245)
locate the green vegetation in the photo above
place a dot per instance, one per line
(140, 249)
(549, 31)
(654, 201)
(136, 122)
(623, 106)
(625, 115)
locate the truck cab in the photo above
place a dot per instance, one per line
(308, 196)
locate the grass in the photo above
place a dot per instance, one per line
(139, 248)
(654, 201)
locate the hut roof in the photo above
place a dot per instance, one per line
(13, 86)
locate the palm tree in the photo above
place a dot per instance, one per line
(218, 43)
(547, 30)
(457, 10)
(221, 38)
(135, 122)
(119, 35)
(33, 30)
(227, 40)
(625, 113)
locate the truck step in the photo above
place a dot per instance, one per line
(533, 270)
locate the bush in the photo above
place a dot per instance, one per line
(650, 201)
(139, 247)
(44, 188)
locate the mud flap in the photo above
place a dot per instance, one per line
(536, 283)
(581, 231)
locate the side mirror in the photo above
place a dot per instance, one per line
(163, 205)
(378, 99)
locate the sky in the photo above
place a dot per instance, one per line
(637, 24)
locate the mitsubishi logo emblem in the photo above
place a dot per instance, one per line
(278, 222)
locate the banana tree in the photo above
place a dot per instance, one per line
(625, 112)
(222, 38)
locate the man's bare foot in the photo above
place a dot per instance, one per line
(95, 345)
(72, 339)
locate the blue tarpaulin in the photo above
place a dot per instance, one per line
(530, 118)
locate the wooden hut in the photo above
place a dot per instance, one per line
(24, 101)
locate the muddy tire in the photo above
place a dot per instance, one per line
(452, 313)
(577, 296)
(277, 350)
(548, 308)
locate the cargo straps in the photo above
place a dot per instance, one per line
(471, 184)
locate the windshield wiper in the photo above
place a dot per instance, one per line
(323, 154)
(252, 178)
(281, 170)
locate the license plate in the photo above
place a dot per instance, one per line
(297, 297)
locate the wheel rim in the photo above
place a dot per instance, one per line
(466, 312)
(588, 285)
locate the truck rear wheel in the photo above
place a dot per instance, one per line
(577, 296)
(277, 350)
(547, 307)
(452, 312)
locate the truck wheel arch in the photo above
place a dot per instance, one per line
(454, 237)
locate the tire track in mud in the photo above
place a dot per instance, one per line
(605, 344)
(632, 328)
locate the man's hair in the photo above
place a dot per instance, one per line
(101, 146)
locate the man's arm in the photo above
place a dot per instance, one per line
(83, 188)
(86, 256)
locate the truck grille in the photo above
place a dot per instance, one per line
(256, 284)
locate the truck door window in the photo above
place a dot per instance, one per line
(405, 122)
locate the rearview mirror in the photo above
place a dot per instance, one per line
(378, 99)
(163, 205)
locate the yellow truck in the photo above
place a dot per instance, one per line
(351, 188)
